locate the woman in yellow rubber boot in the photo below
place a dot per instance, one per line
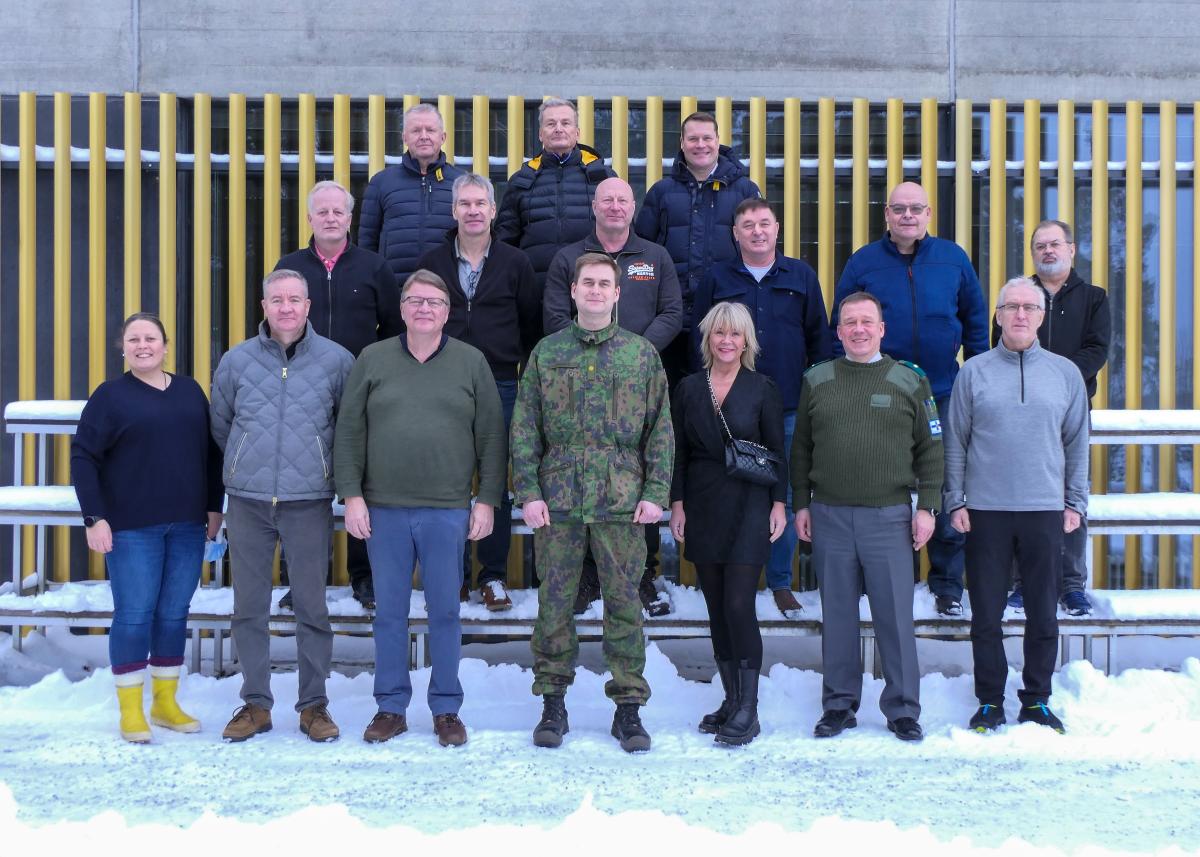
(148, 478)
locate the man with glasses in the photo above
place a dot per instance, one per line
(495, 306)
(1016, 482)
(1078, 326)
(932, 306)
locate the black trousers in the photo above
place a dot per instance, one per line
(1035, 540)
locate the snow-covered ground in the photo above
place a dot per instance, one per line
(1125, 779)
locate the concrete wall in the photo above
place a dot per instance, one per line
(975, 49)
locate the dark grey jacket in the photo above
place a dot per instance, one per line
(273, 417)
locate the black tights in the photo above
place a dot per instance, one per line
(729, 591)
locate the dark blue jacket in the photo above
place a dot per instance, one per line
(548, 204)
(404, 214)
(694, 220)
(931, 306)
(789, 317)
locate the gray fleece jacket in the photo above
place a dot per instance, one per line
(273, 416)
(1017, 438)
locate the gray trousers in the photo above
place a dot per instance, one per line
(306, 529)
(853, 545)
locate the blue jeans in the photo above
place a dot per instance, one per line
(399, 539)
(946, 548)
(493, 550)
(154, 573)
(783, 551)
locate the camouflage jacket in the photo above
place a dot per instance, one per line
(591, 431)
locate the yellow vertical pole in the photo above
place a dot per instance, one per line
(825, 197)
(272, 169)
(133, 203)
(724, 114)
(410, 101)
(1133, 318)
(377, 135)
(1100, 278)
(1167, 231)
(27, 287)
(202, 241)
(1066, 162)
(479, 134)
(62, 309)
(237, 219)
(860, 175)
(687, 106)
(929, 151)
(167, 187)
(791, 177)
(306, 167)
(446, 111)
(1032, 175)
(895, 142)
(963, 177)
(97, 237)
(758, 142)
(620, 136)
(654, 139)
(997, 201)
(341, 139)
(585, 105)
(516, 134)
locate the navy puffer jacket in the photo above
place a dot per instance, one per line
(404, 213)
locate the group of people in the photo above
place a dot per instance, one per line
(621, 367)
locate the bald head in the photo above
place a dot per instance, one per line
(613, 207)
(907, 215)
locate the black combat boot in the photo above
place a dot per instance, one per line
(553, 726)
(627, 728)
(742, 725)
(728, 673)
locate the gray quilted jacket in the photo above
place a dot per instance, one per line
(274, 417)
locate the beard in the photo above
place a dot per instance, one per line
(1054, 270)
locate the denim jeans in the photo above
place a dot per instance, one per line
(154, 573)
(493, 550)
(783, 550)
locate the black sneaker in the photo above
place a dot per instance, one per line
(655, 603)
(589, 591)
(834, 722)
(906, 729)
(627, 728)
(947, 606)
(1076, 603)
(988, 718)
(553, 726)
(1041, 714)
(364, 592)
(285, 603)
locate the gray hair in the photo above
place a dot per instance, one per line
(472, 180)
(1046, 224)
(422, 108)
(326, 185)
(280, 275)
(1002, 298)
(425, 277)
(729, 315)
(556, 102)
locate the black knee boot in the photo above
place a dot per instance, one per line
(727, 672)
(742, 725)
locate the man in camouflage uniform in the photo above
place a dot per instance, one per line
(592, 452)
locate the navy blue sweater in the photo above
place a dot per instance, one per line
(144, 456)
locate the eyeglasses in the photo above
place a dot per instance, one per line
(433, 303)
(916, 208)
(1029, 309)
(1042, 247)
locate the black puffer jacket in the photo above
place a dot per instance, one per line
(405, 213)
(548, 204)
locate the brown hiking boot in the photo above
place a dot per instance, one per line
(248, 721)
(786, 601)
(384, 726)
(450, 730)
(316, 723)
(495, 596)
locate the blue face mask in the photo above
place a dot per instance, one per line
(214, 549)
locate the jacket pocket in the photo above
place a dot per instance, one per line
(627, 404)
(323, 454)
(624, 485)
(237, 456)
(559, 485)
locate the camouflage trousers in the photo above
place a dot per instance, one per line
(620, 551)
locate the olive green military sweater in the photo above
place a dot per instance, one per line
(867, 434)
(412, 434)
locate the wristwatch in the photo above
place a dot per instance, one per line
(91, 520)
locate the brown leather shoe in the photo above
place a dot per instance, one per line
(786, 601)
(384, 726)
(450, 730)
(248, 721)
(316, 723)
(495, 596)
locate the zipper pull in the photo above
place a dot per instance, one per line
(274, 502)
(285, 373)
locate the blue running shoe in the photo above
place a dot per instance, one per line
(988, 718)
(1016, 599)
(1076, 603)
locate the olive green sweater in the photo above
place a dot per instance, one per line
(413, 434)
(867, 434)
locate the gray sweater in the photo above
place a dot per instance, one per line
(1017, 438)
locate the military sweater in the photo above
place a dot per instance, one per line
(591, 430)
(867, 434)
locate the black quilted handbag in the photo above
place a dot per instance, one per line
(745, 459)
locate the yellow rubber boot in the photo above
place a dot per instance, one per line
(134, 727)
(164, 710)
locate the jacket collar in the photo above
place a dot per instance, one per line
(633, 244)
(1008, 354)
(1073, 280)
(728, 170)
(436, 169)
(595, 337)
(890, 245)
(301, 344)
